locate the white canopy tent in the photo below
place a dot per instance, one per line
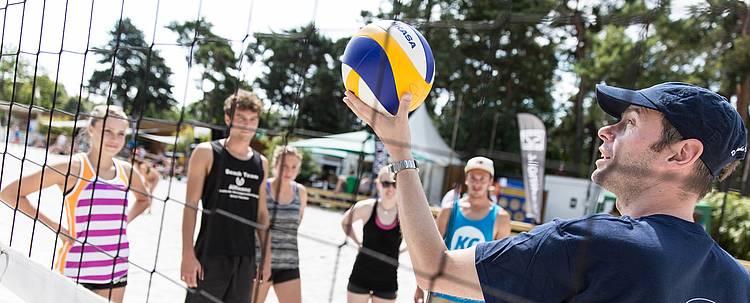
(427, 147)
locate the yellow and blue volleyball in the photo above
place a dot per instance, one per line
(386, 59)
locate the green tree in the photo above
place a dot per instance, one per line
(303, 69)
(720, 33)
(140, 79)
(19, 82)
(70, 105)
(489, 67)
(709, 47)
(219, 67)
(614, 56)
(734, 233)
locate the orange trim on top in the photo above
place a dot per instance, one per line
(88, 170)
(122, 173)
(63, 253)
(71, 202)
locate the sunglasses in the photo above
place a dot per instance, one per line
(388, 183)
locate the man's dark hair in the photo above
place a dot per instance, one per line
(242, 100)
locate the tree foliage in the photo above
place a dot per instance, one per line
(733, 234)
(486, 65)
(303, 73)
(214, 55)
(136, 76)
(19, 82)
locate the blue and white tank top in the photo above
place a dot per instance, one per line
(463, 233)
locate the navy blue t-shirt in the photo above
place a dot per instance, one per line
(602, 258)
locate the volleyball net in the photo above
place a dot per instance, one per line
(511, 50)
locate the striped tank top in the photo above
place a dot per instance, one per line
(97, 216)
(284, 224)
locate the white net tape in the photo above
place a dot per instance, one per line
(32, 282)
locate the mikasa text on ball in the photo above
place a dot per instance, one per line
(386, 59)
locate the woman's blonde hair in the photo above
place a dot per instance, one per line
(101, 111)
(385, 171)
(284, 151)
(82, 142)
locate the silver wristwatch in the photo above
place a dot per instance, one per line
(398, 166)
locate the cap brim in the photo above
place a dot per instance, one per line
(615, 100)
(467, 169)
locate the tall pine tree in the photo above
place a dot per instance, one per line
(140, 79)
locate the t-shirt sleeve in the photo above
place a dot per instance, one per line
(533, 266)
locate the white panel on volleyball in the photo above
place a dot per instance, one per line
(413, 48)
(345, 70)
(366, 95)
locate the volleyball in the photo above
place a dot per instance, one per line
(386, 59)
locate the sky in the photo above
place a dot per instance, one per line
(48, 26)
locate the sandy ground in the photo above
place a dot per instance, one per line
(325, 264)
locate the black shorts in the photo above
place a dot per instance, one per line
(121, 282)
(225, 278)
(388, 295)
(279, 276)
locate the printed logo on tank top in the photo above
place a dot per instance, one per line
(466, 237)
(238, 190)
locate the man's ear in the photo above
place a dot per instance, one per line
(684, 153)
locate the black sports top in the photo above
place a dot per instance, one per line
(231, 189)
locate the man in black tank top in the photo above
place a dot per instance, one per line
(226, 175)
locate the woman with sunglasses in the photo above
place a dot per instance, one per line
(373, 277)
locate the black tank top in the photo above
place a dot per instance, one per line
(371, 272)
(232, 186)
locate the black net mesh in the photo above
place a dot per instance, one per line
(507, 50)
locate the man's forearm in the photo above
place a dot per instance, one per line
(264, 237)
(426, 248)
(188, 229)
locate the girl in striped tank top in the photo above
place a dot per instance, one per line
(95, 187)
(286, 201)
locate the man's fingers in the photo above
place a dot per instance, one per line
(356, 107)
(403, 105)
(192, 276)
(190, 280)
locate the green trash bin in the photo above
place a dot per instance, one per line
(607, 203)
(351, 184)
(702, 215)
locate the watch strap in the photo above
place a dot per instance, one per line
(398, 166)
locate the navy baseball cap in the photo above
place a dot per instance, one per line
(696, 112)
